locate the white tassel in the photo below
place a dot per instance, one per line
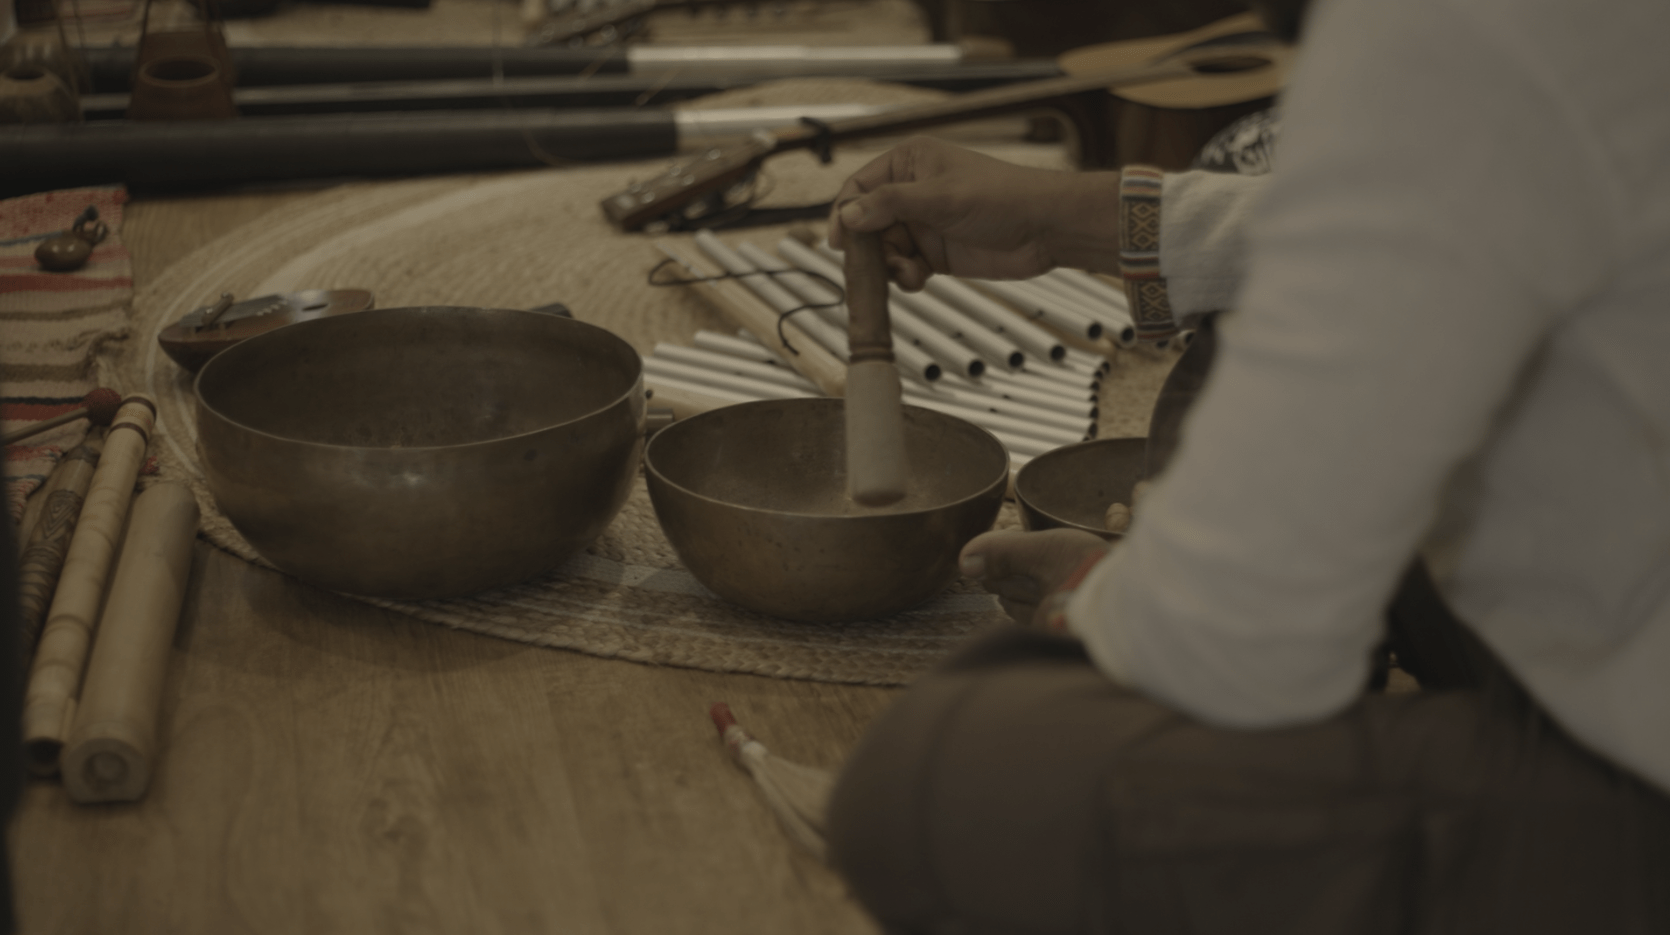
(798, 795)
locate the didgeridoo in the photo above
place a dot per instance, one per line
(111, 750)
(55, 675)
(49, 535)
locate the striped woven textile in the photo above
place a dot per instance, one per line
(53, 324)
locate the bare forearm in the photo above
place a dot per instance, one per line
(1083, 230)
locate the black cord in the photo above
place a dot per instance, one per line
(746, 215)
(837, 288)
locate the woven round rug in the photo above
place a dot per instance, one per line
(525, 239)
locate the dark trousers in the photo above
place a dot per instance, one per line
(1018, 790)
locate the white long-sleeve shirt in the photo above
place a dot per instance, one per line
(1453, 334)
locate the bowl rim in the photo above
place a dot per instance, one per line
(1000, 481)
(1023, 502)
(636, 386)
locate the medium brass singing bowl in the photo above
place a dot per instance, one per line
(753, 498)
(1071, 487)
(422, 452)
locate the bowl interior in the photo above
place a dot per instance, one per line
(1073, 486)
(419, 377)
(789, 457)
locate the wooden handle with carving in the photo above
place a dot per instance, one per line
(49, 537)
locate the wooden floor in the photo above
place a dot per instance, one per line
(329, 767)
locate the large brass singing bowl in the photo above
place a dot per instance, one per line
(1073, 486)
(422, 452)
(753, 498)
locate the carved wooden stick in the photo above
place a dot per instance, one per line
(49, 537)
(55, 676)
(94, 443)
(876, 470)
(112, 748)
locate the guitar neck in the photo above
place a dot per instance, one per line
(975, 105)
(693, 188)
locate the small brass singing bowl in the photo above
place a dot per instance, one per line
(753, 498)
(417, 453)
(1073, 486)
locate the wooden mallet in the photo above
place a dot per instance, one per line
(98, 407)
(876, 468)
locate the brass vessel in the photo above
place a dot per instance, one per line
(1073, 486)
(753, 498)
(422, 452)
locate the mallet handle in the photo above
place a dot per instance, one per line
(876, 469)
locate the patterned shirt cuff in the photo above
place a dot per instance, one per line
(1139, 253)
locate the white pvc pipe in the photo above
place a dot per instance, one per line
(954, 357)
(1073, 392)
(994, 348)
(1019, 446)
(1021, 449)
(1091, 285)
(1095, 361)
(996, 351)
(764, 389)
(747, 348)
(1037, 305)
(763, 286)
(1035, 341)
(774, 295)
(1014, 408)
(1066, 377)
(730, 363)
(1089, 365)
(673, 383)
(1056, 402)
(1116, 324)
(992, 420)
(910, 359)
(789, 60)
(1028, 337)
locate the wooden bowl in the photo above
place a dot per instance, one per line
(1073, 486)
(422, 452)
(753, 498)
(190, 344)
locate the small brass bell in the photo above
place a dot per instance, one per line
(68, 251)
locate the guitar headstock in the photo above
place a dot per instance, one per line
(579, 26)
(692, 189)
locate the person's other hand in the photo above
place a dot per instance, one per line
(945, 209)
(1023, 568)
